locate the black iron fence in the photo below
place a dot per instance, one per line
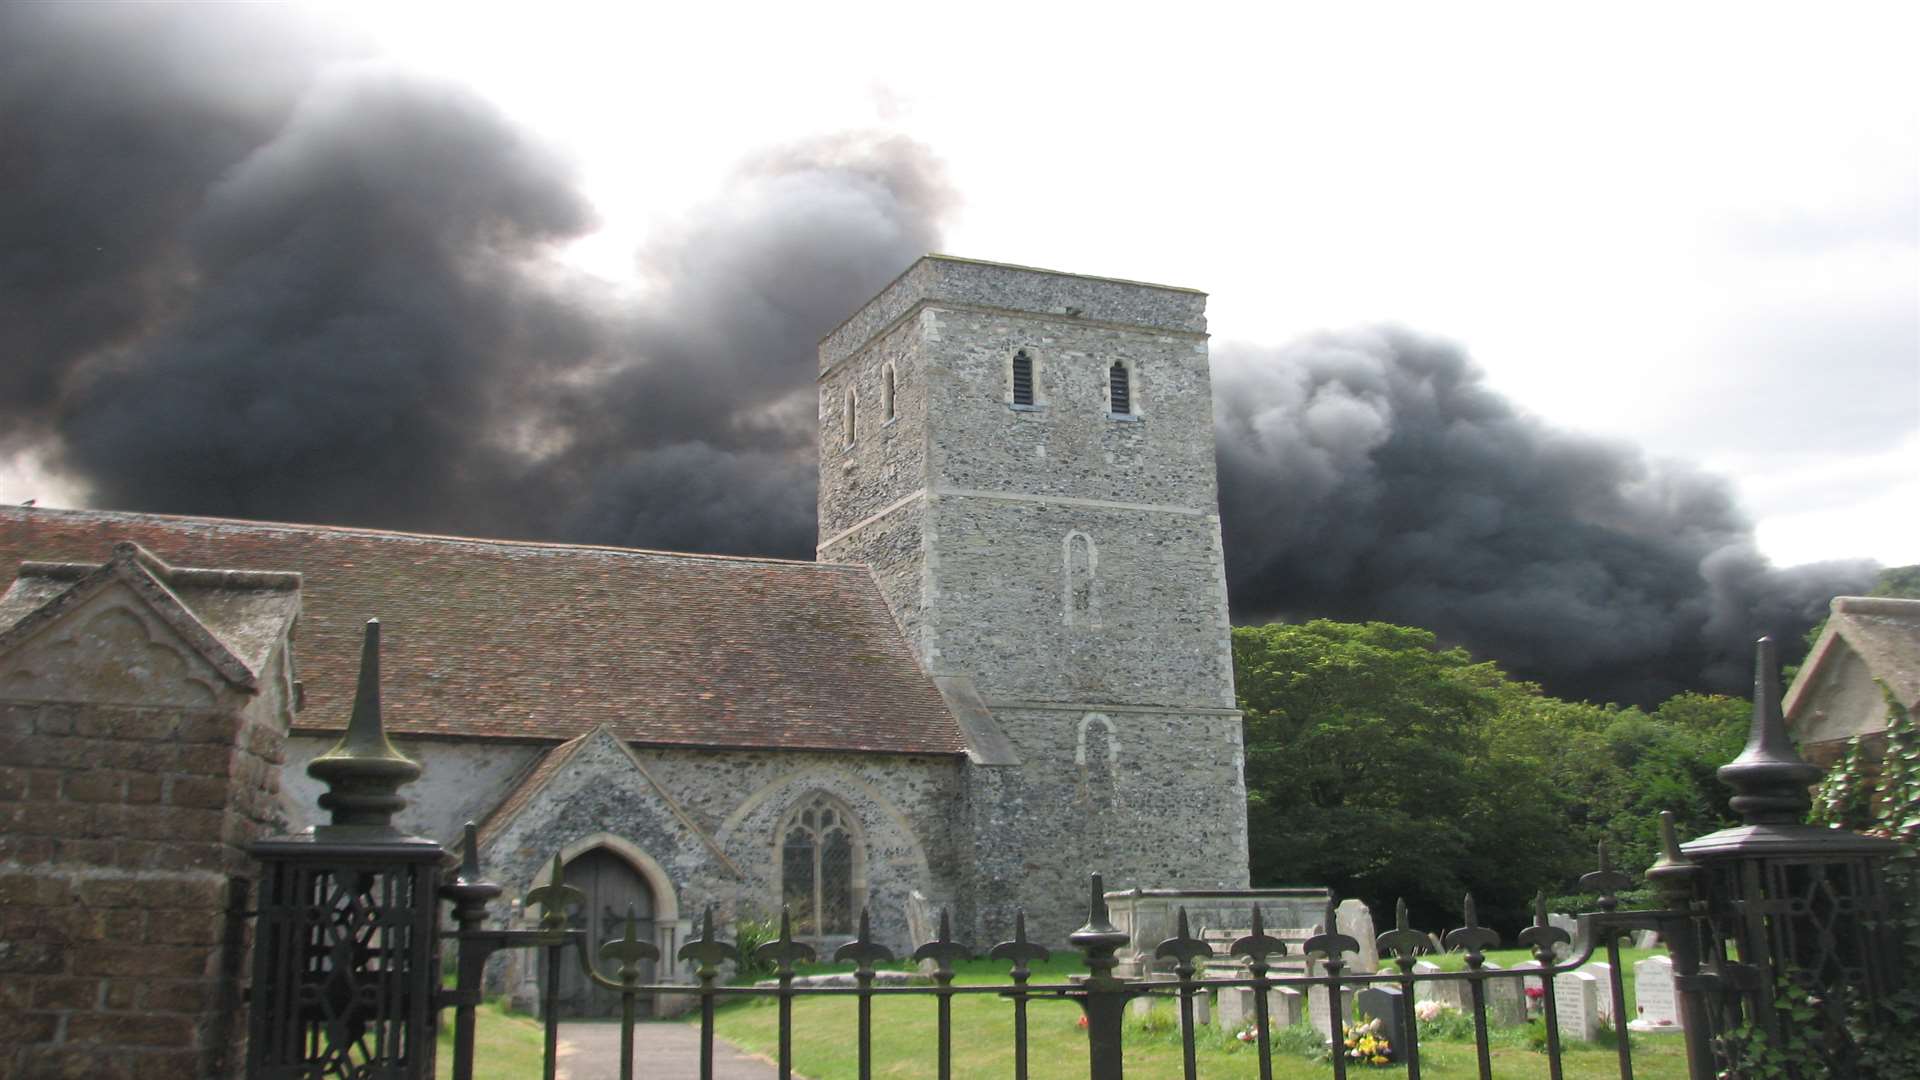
(346, 984)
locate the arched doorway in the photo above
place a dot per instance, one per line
(610, 885)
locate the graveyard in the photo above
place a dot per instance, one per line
(904, 1028)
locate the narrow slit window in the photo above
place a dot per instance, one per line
(1079, 605)
(886, 392)
(1022, 378)
(852, 405)
(1120, 386)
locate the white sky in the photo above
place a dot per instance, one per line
(1691, 227)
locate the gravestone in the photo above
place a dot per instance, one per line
(1572, 926)
(1141, 1007)
(1452, 992)
(1576, 1004)
(1603, 971)
(1284, 1008)
(1531, 981)
(1323, 1021)
(1387, 1005)
(1355, 920)
(1653, 996)
(1646, 939)
(1202, 1011)
(1236, 1007)
(1506, 1003)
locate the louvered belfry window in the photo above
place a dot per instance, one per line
(1022, 378)
(1121, 389)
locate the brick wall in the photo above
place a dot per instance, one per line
(122, 878)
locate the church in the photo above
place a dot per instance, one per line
(1010, 665)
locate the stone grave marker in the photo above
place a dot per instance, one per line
(1562, 950)
(1329, 1027)
(1284, 1007)
(1506, 1003)
(1576, 1003)
(1452, 992)
(1387, 1005)
(1646, 939)
(1236, 1007)
(1653, 996)
(1603, 971)
(1528, 965)
(1425, 967)
(1355, 919)
(1202, 1011)
(1141, 1007)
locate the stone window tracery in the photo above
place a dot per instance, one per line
(819, 867)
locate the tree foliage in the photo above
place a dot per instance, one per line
(1385, 767)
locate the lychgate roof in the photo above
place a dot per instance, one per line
(501, 639)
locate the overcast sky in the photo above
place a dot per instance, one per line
(1694, 228)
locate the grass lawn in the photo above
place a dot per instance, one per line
(506, 1046)
(905, 1037)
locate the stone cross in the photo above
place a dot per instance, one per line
(1576, 997)
(1653, 996)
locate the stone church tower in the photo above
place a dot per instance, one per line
(1026, 460)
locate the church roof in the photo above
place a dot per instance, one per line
(502, 639)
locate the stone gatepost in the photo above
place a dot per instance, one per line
(143, 714)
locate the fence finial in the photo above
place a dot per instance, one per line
(1770, 777)
(363, 772)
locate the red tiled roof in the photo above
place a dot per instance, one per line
(497, 639)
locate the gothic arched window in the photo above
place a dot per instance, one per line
(819, 856)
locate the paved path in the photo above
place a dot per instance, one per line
(662, 1050)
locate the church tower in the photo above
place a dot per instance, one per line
(1025, 459)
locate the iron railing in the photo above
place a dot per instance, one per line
(340, 991)
(1101, 995)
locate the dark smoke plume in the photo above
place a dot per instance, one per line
(1375, 475)
(248, 270)
(325, 291)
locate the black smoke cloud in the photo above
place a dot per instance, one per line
(250, 270)
(1374, 474)
(337, 299)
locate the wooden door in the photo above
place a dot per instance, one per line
(611, 886)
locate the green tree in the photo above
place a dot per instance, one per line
(1385, 767)
(1371, 769)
